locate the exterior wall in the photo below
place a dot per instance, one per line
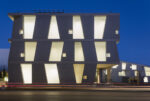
(65, 66)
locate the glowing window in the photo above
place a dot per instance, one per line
(85, 77)
(29, 24)
(147, 73)
(79, 56)
(78, 70)
(117, 32)
(64, 55)
(147, 69)
(26, 73)
(115, 66)
(100, 51)
(77, 28)
(21, 54)
(56, 51)
(52, 73)
(99, 26)
(135, 73)
(30, 48)
(145, 79)
(108, 55)
(70, 31)
(122, 73)
(53, 29)
(124, 66)
(133, 67)
(21, 32)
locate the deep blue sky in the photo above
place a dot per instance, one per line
(134, 43)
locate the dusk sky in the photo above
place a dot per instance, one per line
(134, 45)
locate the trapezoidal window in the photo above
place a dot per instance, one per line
(26, 70)
(99, 26)
(29, 24)
(133, 67)
(77, 28)
(30, 48)
(123, 66)
(78, 70)
(100, 51)
(79, 56)
(53, 29)
(52, 73)
(56, 51)
(147, 71)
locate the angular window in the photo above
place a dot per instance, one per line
(79, 56)
(77, 28)
(115, 66)
(122, 73)
(99, 26)
(53, 29)
(29, 24)
(124, 66)
(30, 48)
(26, 73)
(134, 67)
(56, 51)
(147, 71)
(135, 73)
(100, 51)
(52, 73)
(78, 70)
(145, 79)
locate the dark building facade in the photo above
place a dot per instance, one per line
(127, 72)
(63, 48)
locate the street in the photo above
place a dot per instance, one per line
(73, 96)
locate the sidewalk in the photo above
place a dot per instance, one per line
(85, 88)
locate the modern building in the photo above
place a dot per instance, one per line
(127, 72)
(63, 48)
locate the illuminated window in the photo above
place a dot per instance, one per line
(64, 55)
(115, 66)
(147, 69)
(30, 48)
(135, 73)
(78, 70)
(117, 32)
(53, 29)
(26, 73)
(70, 31)
(145, 79)
(79, 56)
(21, 32)
(77, 28)
(52, 73)
(99, 26)
(29, 24)
(85, 77)
(108, 55)
(100, 51)
(147, 73)
(134, 67)
(124, 66)
(56, 51)
(21, 54)
(122, 73)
